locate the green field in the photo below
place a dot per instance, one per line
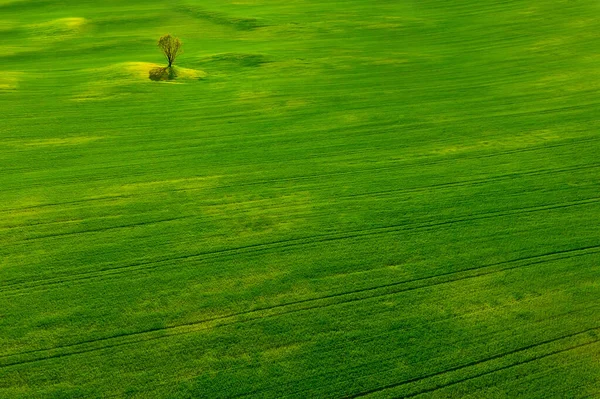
(357, 199)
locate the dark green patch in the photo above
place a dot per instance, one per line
(222, 19)
(236, 59)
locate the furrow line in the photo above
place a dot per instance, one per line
(256, 314)
(345, 344)
(475, 182)
(124, 226)
(478, 362)
(316, 176)
(395, 357)
(539, 260)
(295, 242)
(553, 353)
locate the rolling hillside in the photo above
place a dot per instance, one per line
(358, 199)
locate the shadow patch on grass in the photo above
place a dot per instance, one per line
(237, 59)
(222, 19)
(158, 73)
(122, 79)
(162, 73)
(21, 5)
(58, 28)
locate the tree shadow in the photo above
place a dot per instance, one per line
(162, 73)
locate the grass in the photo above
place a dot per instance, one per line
(369, 199)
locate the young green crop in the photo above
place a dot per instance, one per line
(379, 200)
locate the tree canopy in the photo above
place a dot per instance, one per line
(171, 47)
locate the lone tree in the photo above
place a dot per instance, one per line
(171, 47)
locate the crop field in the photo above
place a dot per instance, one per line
(332, 199)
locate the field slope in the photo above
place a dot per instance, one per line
(357, 199)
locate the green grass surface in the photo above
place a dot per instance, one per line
(335, 199)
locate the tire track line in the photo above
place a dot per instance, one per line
(321, 175)
(294, 243)
(466, 183)
(395, 357)
(368, 339)
(539, 357)
(478, 362)
(101, 229)
(271, 311)
(475, 182)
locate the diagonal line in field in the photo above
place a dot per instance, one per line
(556, 352)
(18, 286)
(284, 387)
(474, 363)
(379, 362)
(108, 228)
(439, 186)
(329, 174)
(482, 181)
(256, 314)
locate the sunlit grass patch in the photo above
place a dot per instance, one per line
(61, 28)
(61, 141)
(108, 82)
(10, 80)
